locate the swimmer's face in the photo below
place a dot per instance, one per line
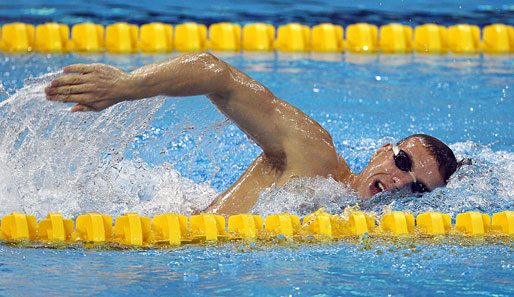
(384, 174)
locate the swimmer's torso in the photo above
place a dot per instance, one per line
(263, 173)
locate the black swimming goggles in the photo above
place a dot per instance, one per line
(404, 163)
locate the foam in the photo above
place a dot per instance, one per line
(301, 196)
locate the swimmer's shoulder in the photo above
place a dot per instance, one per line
(343, 170)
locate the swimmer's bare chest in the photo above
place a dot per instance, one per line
(262, 174)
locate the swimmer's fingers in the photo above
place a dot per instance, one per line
(85, 102)
(80, 68)
(73, 79)
(81, 107)
(96, 106)
(68, 90)
(76, 98)
(98, 86)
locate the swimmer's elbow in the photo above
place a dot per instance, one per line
(212, 63)
(218, 71)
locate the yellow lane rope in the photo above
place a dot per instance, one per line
(172, 229)
(124, 38)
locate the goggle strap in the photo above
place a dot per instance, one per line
(413, 177)
(396, 150)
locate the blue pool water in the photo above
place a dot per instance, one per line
(165, 155)
(311, 12)
(172, 154)
(326, 270)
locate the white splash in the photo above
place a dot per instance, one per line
(54, 161)
(301, 196)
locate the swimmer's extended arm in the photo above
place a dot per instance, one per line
(275, 125)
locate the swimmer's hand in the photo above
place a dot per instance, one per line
(93, 87)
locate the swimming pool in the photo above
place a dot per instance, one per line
(158, 156)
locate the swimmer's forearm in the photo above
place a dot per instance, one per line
(188, 75)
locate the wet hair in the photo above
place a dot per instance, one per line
(443, 154)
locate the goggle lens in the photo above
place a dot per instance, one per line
(404, 163)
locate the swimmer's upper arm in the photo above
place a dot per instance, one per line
(279, 128)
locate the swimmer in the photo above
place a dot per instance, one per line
(293, 144)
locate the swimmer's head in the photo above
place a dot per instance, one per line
(419, 163)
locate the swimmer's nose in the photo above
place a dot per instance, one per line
(401, 179)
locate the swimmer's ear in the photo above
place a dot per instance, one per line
(381, 150)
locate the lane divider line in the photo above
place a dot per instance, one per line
(172, 229)
(124, 38)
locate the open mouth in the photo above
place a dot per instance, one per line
(377, 187)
